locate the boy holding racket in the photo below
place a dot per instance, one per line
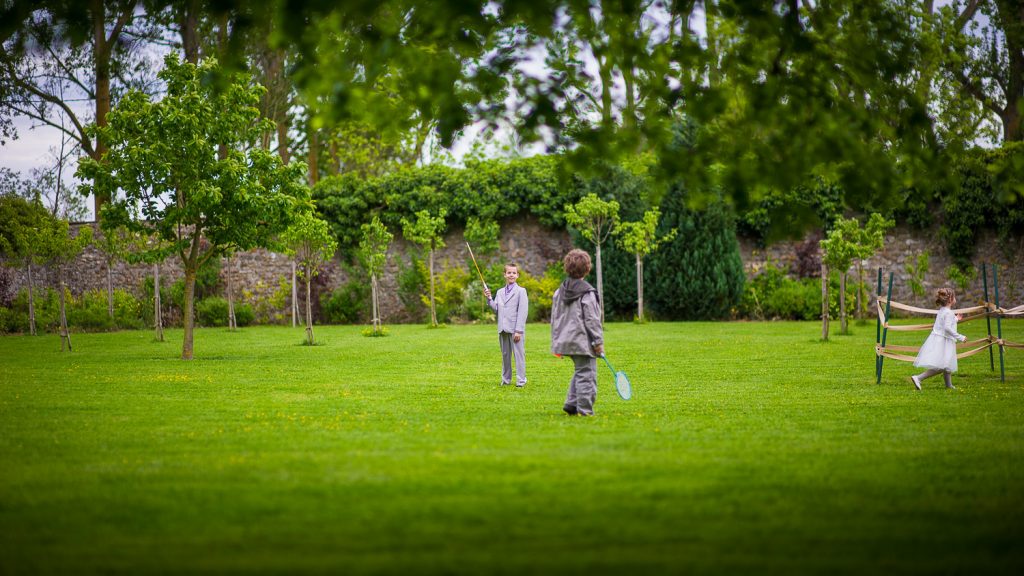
(511, 306)
(576, 332)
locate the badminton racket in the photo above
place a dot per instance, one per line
(622, 385)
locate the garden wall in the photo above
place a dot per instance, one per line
(255, 276)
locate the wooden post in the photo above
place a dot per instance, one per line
(65, 335)
(878, 320)
(999, 324)
(988, 317)
(885, 329)
(824, 301)
(158, 319)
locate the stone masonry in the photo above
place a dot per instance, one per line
(534, 247)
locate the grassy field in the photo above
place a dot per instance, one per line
(748, 448)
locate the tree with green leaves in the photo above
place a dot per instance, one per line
(641, 238)
(870, 239)
(839, 249)
(595, 219)
(61, 248)
(846, 242)
(426, 232)
(25, 228)
(64, 51)
(373, 250)
(114, 245)
(164, 159)
(310, 242)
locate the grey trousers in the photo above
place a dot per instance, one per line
(583, 386)
(509, 348)
(934, 371)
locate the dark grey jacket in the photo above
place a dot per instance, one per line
(575, 319)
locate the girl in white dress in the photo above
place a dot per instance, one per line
(938, 353)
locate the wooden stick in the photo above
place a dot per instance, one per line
(475, 265)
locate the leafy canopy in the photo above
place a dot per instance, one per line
(181, 171)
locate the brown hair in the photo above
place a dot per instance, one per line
(577, 263)
(511, 265)
(944, 296)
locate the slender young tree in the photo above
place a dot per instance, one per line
(310, 242)
(640, 238)
(373, 251)
(426, 232)
(164, 158)
(847, 241)
(25, 229)
(595, 219)
(60, 249)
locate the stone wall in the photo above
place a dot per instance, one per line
(902, 247)
(257, 274)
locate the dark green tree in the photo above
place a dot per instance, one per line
(699, 274)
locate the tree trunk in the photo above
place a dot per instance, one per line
(314, 154)
(842, 303)
(188, 321)
(101, 53)
(31, 304)
(282, 138)
(110, 289)
(232, 324)
(600, 281)
(1012, 13)
(158, 317)
(824, 301)
(309, 311)
(861, 294)
(433, 309)
(639, 288)
(295, 298)
(189, 23)
(65, 336)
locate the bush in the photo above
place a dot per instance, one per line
(88, 311)
(347, 304)
(212, 311)
(244, 314)
(13, 321)
(772, 295)
(449, 293)
(541, 290)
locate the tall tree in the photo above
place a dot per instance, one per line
(66, 51)
(984, 52)
(164, 158)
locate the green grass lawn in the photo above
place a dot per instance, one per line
(748, 448)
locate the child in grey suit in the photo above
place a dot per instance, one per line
(511, 306)
(576, 332)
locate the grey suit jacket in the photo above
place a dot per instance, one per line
(511, 309)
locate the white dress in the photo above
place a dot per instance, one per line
(939, 350)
